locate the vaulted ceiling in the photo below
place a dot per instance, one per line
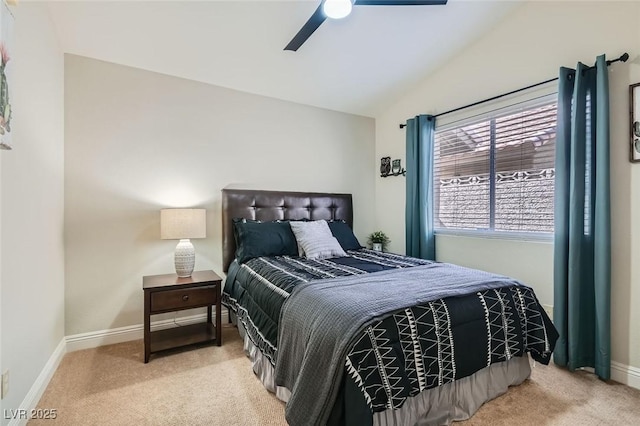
(359, 64)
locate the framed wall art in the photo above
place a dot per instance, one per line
(634, 112)
(6, 50)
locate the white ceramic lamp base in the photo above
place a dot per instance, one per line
(185, 258)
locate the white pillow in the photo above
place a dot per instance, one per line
(315, 240)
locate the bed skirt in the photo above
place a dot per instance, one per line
(453, 401)
(261, 365)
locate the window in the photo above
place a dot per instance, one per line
(496, 173)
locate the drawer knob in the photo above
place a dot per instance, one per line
(185, 297)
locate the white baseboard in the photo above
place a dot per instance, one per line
(626, 374)
(98, 338)
(620, 373)
(30, 401)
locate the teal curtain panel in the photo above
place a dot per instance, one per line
(420, 239)
(582, 240)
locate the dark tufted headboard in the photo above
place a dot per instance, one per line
(272, 205)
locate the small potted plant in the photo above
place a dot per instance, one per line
(378, 241)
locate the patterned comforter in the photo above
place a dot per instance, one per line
(407, 351)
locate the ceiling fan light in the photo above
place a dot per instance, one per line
(337, 9)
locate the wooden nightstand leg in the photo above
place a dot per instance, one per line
(218, 322)
(209, 316)
(147, 326)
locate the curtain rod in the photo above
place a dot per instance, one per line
(623, 58)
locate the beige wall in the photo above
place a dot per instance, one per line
(508, 257)
(31, 214)
(626, 210)
(525, 48)
(1, 364)
(138, 141)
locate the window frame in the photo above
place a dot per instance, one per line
(491, 115)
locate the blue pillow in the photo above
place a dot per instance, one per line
(256, 239)
(344, 235)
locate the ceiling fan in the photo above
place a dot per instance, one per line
(337, 9)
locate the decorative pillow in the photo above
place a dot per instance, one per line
(315, 240)
(344, 235)
(314, 228)
(290, 221)
(255, 239)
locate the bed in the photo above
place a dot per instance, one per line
(369, 338)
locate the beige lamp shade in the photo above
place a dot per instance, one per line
(177, 224)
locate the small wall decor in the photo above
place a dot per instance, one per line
(391, 168)
(6, 48)
(396, 168)
(634, 112)
(385, 166)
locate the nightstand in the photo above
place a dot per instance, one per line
(169, 293)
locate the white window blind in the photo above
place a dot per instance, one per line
(496, 172)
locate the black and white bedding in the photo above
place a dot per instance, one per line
(256, 290)
(431, 329)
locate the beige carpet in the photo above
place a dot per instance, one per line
(215, 386)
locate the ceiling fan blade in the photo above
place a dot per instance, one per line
(307, 29)
(399, 2)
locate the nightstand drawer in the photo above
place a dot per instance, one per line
(183, 299)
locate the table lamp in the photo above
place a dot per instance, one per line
(183, 224)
